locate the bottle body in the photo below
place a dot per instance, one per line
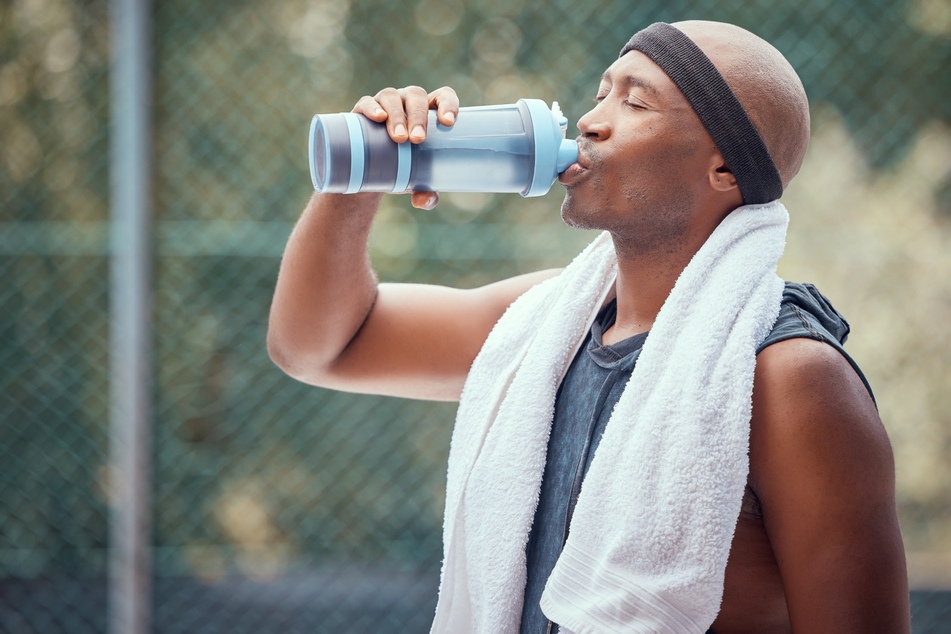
(514, 148)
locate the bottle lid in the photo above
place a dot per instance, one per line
(553, 154)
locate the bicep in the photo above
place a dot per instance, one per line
(822, 467)
(419, 340)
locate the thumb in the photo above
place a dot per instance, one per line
(425, 200)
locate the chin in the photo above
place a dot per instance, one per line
(576, 223)
(575, 217)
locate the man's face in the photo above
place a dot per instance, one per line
(644, 157)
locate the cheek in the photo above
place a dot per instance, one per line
(693, 147)
(656, 149)
(673, 171)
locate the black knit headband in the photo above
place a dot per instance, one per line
(718, 108)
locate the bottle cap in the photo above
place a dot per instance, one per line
(553, 153)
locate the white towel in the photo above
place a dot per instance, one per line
(651, 532)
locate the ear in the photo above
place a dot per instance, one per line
(720, 177)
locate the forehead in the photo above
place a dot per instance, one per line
(638, 70)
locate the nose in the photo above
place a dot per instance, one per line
(593, 124)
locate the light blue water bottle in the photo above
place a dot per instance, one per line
(515, 148)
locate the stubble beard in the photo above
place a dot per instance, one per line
(644, 227)
(652, 221)
(572, 216)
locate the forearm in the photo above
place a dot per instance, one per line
(326, 285)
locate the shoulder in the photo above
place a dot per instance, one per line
(812, 367)
(807, 396)
(822, 468)
(818, 448)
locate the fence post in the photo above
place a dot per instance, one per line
(130, 322)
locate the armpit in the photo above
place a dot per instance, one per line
(750, 506)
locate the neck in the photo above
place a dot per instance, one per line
(648, 269)
(643, 283)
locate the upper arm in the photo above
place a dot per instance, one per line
(822, 466)
(419, 341)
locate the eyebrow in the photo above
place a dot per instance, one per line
(632, 81)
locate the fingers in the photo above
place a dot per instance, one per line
(370, 108)
(406, 110)
(416, 106)
(446, 103)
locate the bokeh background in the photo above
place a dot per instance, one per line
(278, 507)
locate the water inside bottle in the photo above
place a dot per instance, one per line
(470, 170)
(488, 149)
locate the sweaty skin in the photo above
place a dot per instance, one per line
(826, 554)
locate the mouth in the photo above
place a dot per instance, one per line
(574, 172)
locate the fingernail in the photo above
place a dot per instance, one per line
(431, 201)
(378, 112)
(399, 130)
(451, 118)
(418, 132)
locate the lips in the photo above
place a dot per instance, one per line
(576, 171)
(572, 174)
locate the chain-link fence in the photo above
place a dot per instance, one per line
(278, 507)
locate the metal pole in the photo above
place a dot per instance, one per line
(130, 321)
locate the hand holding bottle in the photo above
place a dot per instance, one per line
(406, 114)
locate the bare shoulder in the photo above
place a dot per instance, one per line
(814, 419)
(822, 465)
(804, 387)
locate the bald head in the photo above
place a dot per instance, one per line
(766, 85)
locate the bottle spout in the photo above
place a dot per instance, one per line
(567, 154)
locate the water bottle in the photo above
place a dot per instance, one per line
(514, 148)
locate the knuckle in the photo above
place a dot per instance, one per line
(445, 97)
(364, 104)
